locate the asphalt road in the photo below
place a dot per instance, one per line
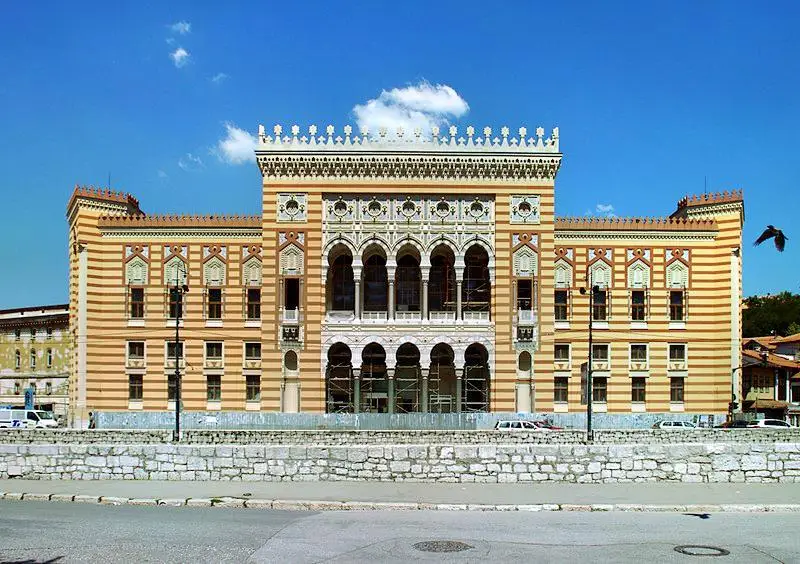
(54, 532)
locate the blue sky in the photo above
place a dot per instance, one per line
(650, 98)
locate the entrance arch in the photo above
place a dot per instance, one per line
(476, 379)
(374, 392)
(442, 383)
(407, 379)
(339, 389)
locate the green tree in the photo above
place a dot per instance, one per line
(771, 315)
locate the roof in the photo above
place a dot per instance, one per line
(712, 198)
(634, 224)
(199, 221)
(772, 360)
(766, 342)
(37, 309)
(103, 195)
(788, 339)
(768, 404)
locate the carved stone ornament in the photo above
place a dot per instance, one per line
(525, 209)
(292, 207)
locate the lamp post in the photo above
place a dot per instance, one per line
(177, 297)
(589, 390)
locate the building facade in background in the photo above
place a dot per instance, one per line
(35, 353)
(396, 272)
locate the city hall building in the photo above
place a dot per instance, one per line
(396, 272)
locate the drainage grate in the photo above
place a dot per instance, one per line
(701, 550)
(441, 546)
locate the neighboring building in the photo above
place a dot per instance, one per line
(771, 377)
(34, 351)
(405, 273)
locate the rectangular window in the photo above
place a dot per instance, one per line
(33, 359)
(252, 351)
(600, 306)
(600, 352)
(677, 353)
(561, 310)
(599, 389)
(137, 303)
(214, 387)
(214, 351)
(253, 387)
(253, 303)
(525, 295)
(561, 352)
(171, 350)
(49, 333)
(638, 387)
(560, 390)
(135, 387)
(175, 303)
(49, 358)
(637, 305)
(676, 309)
(215, 303)
(136, 350)
(171, 388)
(291, 291)
(638, 353)
(676, 390)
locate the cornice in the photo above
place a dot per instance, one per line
(182, 232)
(414, 166)
(588, 235)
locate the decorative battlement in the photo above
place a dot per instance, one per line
(104, 195)
(634, 224)
(400, 140)
(200, 221)
(709, 199)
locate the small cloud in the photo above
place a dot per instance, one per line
(162, 174)
(602, 210)
(181, 27)
(417, 106)
(237, 147)
(170, 40)
(190, 162)
(219, 77)
(180, 57)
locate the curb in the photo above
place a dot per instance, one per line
(325, 505)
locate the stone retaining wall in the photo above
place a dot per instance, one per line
(724, 462)
(356, 438)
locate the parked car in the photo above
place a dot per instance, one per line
(735, 424)
(769, 424)
(26, 418)
(675, 425)
(516, 425)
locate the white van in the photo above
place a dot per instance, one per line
(26, 418)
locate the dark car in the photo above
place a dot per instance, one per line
(736, 424)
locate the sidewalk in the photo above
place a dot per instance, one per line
(659, 496)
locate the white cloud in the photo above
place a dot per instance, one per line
(190, 162)
(417, 106)
(180, 57)
(162, 174)
(237, 147)
(181, 27)
(602, 210)
(219, 77)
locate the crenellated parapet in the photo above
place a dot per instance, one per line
(200, 221)
(711, 205)
(416, 156)
(634, 224)
(711, 198)
(103, 199)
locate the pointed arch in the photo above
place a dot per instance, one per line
(526, 262)
(214, 272)
(251, 272)
(677, 275)
(136, 272)
(638, 275)
(600, 274)
(562, 273)
(291, 260)
(175, 271)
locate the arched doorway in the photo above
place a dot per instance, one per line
(442, 386)
(339, 389)
(407, 379)
(374, 386)
(476, 379)
(524, 387)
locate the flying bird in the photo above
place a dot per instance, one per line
(772, 232)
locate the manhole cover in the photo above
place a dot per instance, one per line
(701, 550)
(441, 546)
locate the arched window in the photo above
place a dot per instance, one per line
(376, 284)
(342, 285)
(214, 272)
(524, 362)
(407, 286)
(290, 361)
(677, 275)
(442, 280)
(477, 288)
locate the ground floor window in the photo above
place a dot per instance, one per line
(599, 390)
(171, 388)
(253, 385)
(214, 387)
(560, 390)
(135, 387)
(638, 389)
(676, 390)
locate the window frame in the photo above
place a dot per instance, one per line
(607, 357)
(673, 389)
(213, 390)
(682, 346)
(251, 344)
(600, 393)
(213, 344)
(130, 356)
(639, 347)
(638, 390)
(558, 306)
(181, 350)
(249, 387)
(252, 307)
(677, 312)
(603, 307)
(639, 310)
(214, 308)
(135, 387)
(556, 346)
(560, 389)
(136, 306)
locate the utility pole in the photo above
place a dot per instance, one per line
(589, 389)
(178, 293)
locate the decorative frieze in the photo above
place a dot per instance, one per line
(525, 209)
(292, 207)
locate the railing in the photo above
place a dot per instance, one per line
(291, 315)
(476, 315)
(340, 316)
(526, 316)
(407, 315)
(442, 316)
(291, 333)
(374, 316)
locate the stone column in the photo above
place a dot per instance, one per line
(458, 300)
(777, 383)
(357, 293)
(391, 297)
(424, 393)
(300, 307)
(459, 387)
(390, 389)
(280, 298)
(424, 299)
(356, 390)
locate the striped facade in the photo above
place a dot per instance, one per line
(406, 274)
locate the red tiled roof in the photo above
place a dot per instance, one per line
(772, 360)
(788, 339)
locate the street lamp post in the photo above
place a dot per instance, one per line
(178, 291)
(589, 389)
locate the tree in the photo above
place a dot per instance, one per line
(771, 315)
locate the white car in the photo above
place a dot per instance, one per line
(675, 425)
(516, 425)
(769, 424)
